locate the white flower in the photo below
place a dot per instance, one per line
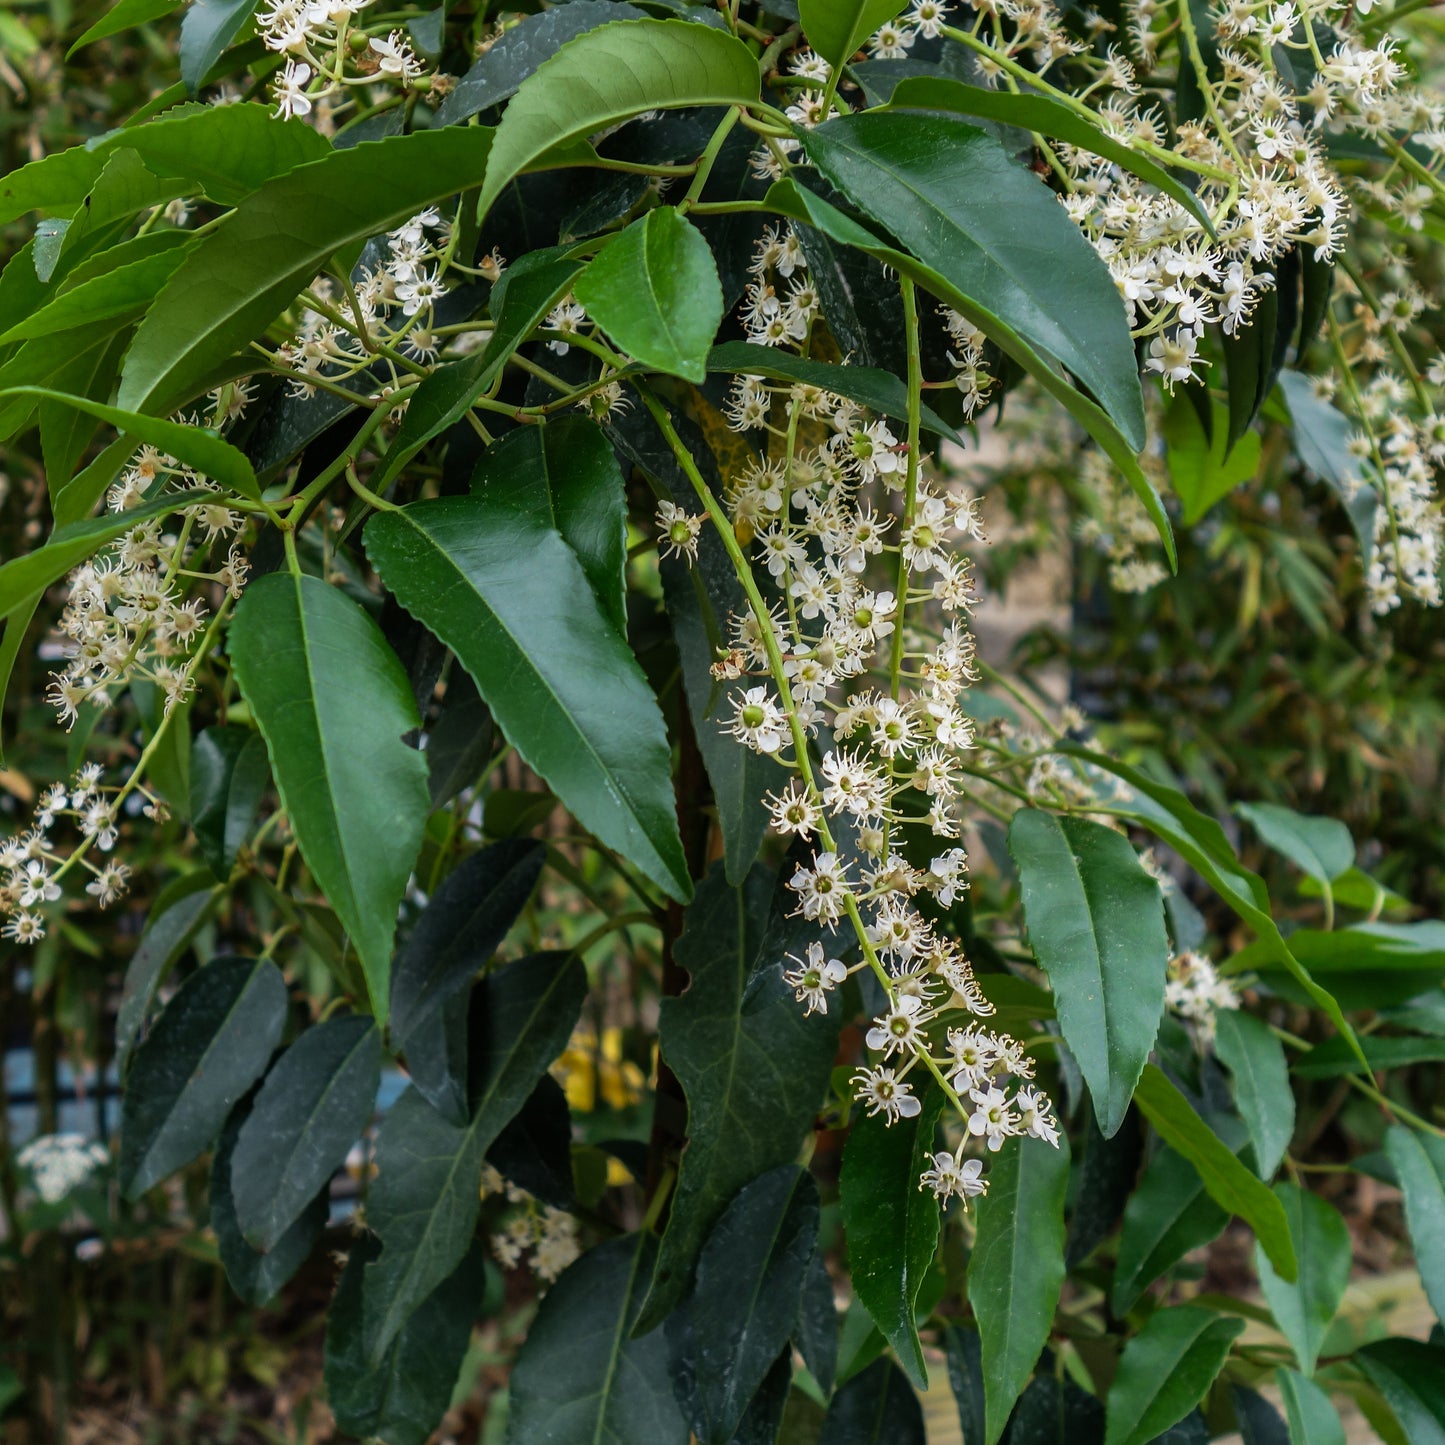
(396, 57)
(883, 1093)
(680, 531)
(289, 91)
(897, 1030)
(992, 1117)
(812, 980)
(951, 1176)
(758, 722)
(822, 889)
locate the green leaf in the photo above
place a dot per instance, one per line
(582, 1374)
(1312, 1419)
(121, 294)
(124, 15)
(229, 774)
(1229, 1183)
(1304, 1310)
(891, 1225)
(520, 49)
(1411, 1377)
(816, 1335)
(457, 934)
(244, 274)
(1259, 1422)
(175, 919)
(1320, 847)
(876, 1407)
(1248, 365)
(207, 1048)
(611, 74)
(1334, 1058)
(424, 1201)
(1096, 923)
(195, 446)
(510, 598)
(519, 302)
(404, 1396)
(565, 475)
(1165, 1370)
(332, 702)
(878, 390)
(1367, 966)
(952, 197)
(836, 28)
(207, 28)
(655, 291)
(965, 1379)
(753, 1067)
(256, 1277)
(1017, 1268)
(1043, 116)
(745, 1300)
(312, 1108)
(1419, 1161)
(1255, 1058)
(1202, 468)
(787, 198)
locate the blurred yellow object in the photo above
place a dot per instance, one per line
(586, 1070)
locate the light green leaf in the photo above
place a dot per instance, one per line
(1255, 1059)
(582, 1374)
(1203, 469)
(207, 1048)
(1419, 1161)
(1334, 1058)
(565, 474)
(753, 1067)
(424, 1201)
(608, 75)
(208, 28)
(246, 272)
(1165, 1370)
(315, 1102)
(1320, 847)
(1017, 1268)
(333, 702)
(1303, 1310)
(836, 28)
(120, 294)
(891, 1225)
(1096, 923)
(124, 15)
(1226, 1179)
(655, 291)
(509, 596)
(1312, 1419)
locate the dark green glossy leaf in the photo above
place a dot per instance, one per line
(314, 1104)
(878, 390)
(1247, 366)
(965, 1379)
(1044, 116)
(207, 1048)
(460, 743)
(877, 1407)
(1259, 1422)
(242, 275)
(208, 28)
(862, 306)
(437, 1052)
(521, 49)
(753, 1067)
(1054, 1411)
(1367, 966)
(1419, 1161)
(582, 1375)
(509, 596)
(816, 1334)
(1096, 923)
(891, 1225)
(952, 197)
(229, 774)
(258, 1277)
(457, 934)
(655, 291)
(1107, 1173)
(609, 74)
(1255, 1058)
(1322, 1246)
(1312, 1419)
(836, 28)
(764, 1416)
(1334, 1058)
(1229, 1183)
(1165, 1370)
(1411, 1377)
(403, 1396)
(534, 1151)
(424, 1201)
(333, 704)
(565, 476)
(745, 1298)
(1320, 847)
(1017, 1268)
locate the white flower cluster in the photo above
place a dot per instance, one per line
(33, 863)
(320, 47)
(1118, 526)
(126, 616)
(60, 1163)
(1196, 992)
(548, 1235)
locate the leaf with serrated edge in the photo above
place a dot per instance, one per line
(1247, 1047)
(1304, 1309)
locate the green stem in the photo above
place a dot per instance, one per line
(709, 157)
